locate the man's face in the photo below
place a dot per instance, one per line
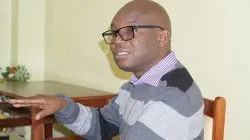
(140, 52)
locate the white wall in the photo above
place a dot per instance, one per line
(237, 89)
(22, 35)
(31, 37)
(5, 32)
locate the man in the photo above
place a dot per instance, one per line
(160, 102)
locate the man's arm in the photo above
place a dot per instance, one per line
(91, 123)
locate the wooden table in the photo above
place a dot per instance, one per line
(83, 95)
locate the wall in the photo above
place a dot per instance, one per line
(5, 32)
(75, 51)
(31, 37)
(22, 35)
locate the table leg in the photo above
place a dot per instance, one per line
(37, 126)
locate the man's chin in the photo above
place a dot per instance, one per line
(125, 68)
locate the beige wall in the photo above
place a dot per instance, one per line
(5, 32)
(75, 51)
(31, 36)
(209, 37)
(22, 35)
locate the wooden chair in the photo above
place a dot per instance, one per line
(214, 118)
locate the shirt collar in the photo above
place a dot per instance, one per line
(154, 75)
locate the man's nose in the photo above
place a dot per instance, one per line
(118, 39)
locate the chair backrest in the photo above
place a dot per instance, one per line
(215, 110)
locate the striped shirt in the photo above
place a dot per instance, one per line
(154, 75)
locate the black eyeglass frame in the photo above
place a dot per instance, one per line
(133, 27)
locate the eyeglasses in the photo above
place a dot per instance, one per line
(126, 33)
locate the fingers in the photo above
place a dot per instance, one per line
(21, 105)
(27, 105)
(31, 101)
(26, 101)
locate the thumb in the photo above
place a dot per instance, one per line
(44, 113)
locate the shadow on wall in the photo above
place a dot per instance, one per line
(115, 69)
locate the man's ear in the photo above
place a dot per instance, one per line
(164, 38)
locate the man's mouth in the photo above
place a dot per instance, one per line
(121, 55)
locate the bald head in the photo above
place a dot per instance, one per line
(146, 12)
(140, 36)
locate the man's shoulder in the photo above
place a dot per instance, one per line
(178, 90)
(179, 77)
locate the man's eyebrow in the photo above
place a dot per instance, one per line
(133, 22)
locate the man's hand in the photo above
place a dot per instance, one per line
(48, 104)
